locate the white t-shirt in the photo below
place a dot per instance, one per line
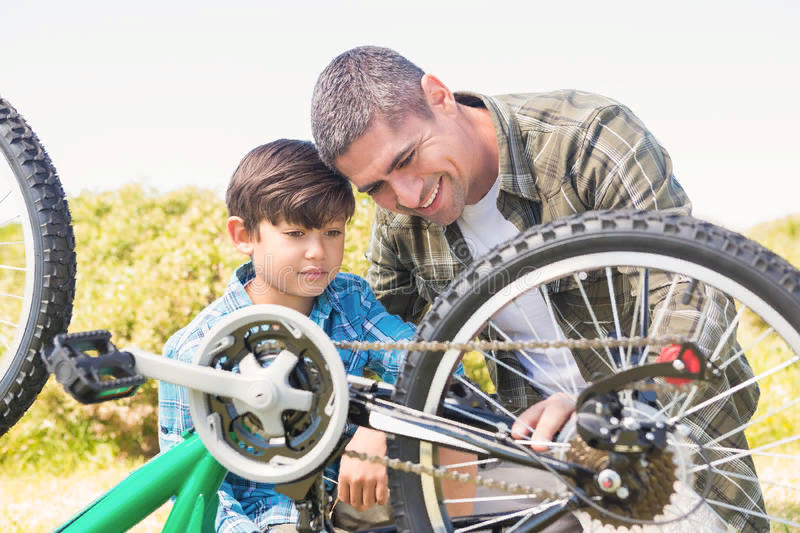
(528, 318)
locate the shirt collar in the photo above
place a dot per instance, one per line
(324, 304)
(514, 172)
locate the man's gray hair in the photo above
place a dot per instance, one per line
(355, 87)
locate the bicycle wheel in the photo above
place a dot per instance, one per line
(617, 274)
(37, 261)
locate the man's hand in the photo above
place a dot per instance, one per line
(545, 418)
(363, 484)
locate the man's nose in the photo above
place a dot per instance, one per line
(407, 190)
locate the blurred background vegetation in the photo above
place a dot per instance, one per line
(147, 264)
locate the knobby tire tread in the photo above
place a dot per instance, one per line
(54, 288)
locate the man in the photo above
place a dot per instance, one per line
(429, 157)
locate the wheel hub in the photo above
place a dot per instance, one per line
(641, 492)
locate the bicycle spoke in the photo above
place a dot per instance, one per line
(476, 499)
(472, 463)
(7, 323)
(749, 348)
(753, 513)
(542, 371)
(625, 363)
(754, 452)
(491, 400)
(590, 309)
(16, 297)
(660, 316)
(754, 421)
(637, 309)
(523, 513)
(554, 324)
(738, 387)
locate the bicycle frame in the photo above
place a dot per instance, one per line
(189, 472)
(186, 471)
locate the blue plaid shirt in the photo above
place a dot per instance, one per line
(346, 311)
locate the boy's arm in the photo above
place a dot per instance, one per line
(173, 406)
(380, 326)
(363, 484)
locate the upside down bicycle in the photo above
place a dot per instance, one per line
(666, 435)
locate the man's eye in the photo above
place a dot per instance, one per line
(374, 189)
(407, 161)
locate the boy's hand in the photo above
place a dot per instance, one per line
(363, 484)
(546, 418)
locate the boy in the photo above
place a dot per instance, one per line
(288, 212)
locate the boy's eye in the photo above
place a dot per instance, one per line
(335, 232)
(295, 233)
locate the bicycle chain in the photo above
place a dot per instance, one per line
(444, 472)
(480, 345)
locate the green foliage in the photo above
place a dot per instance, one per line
(781, 236)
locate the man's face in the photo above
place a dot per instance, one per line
(424, 167)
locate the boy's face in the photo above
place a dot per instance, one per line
(295, 264)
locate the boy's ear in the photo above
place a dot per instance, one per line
(241, 240)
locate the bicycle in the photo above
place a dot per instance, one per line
(37, 259)
(270, 397)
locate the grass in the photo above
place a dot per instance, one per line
(34, 503)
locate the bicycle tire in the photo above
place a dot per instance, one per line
(49, 264)
(724, 257)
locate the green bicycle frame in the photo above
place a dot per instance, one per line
(186, 471)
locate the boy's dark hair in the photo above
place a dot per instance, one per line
(285, 180)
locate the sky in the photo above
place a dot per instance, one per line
(170, 94)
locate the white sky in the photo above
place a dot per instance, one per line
(171, 96)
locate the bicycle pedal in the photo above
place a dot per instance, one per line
(90, 368)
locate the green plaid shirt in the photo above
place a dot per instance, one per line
(563, 153)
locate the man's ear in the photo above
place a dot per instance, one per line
(437, 94)
(239, 236)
